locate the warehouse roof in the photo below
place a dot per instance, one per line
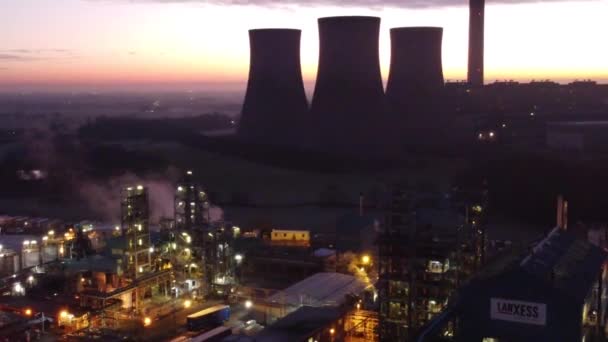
(572, 264)
(320, 289)
(300, 324)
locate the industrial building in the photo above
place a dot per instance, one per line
(348, 105)
(425, 253)
(135, 229)
(556, 292)
(191, 204)
(275, 106)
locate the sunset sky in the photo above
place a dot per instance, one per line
(88, 43)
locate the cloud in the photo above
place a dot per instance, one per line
(374, 4)
(16, 57)
(30, 55)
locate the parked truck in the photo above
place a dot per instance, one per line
(209, 318)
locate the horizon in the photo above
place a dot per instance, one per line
(118, 45)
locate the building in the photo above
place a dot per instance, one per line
(555, 292)
(275, 106)
(283, 237)
(191, 205)
(135, 229)
(426, 251)
(476, 42)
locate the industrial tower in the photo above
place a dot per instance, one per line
(191, 204)
(416, 74)
(135, 228)
(275, 106)
(476, 37)
(348, 102)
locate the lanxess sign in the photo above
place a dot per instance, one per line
(518, 311)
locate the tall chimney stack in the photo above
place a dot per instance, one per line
(476, 30)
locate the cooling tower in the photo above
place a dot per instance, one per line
(275, 103)
(416, 75)
(476, 34)
(348, 99)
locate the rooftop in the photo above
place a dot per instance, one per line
(300, 324)
(319, 290)
(572, 264)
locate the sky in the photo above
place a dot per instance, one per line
(50, 44)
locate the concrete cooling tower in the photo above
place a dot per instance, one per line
(416, 75)
(275, 105)
(348, 103)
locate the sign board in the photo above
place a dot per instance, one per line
(518, 311)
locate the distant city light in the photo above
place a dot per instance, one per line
(365, 259)
(187, 303)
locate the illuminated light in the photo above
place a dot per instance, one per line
(179, 188)
(129, 189)
(480, 136)
(184, 233)
(187, 250)
(28, 312)
(358, 306)
(44, 238)
(61, 250)
(140, 242)
(51, 232)
(151, 249)
(141, 269)
(26, 242)
(532, 114)
(504, 125)
(248, 304)
(33, 242)
(139, 227)
(491, 134)
(332, 331)
(188, 239)
(189, 172)
(117, 228)
(82, 280)
(140, 187)
(187, 303)
(30, 279)
(63, 314)
(1, 247)
(192, 203)
(147, 321)
(238, 258)
(174, 245)
(365, 259)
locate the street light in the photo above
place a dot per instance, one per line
(365, 259)
(248, 304)
(187, 303)
(147, 321)
(28, 312)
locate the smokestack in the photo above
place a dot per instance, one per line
(476, 31)
(348, 97)
(416, 74)
(275, 103)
